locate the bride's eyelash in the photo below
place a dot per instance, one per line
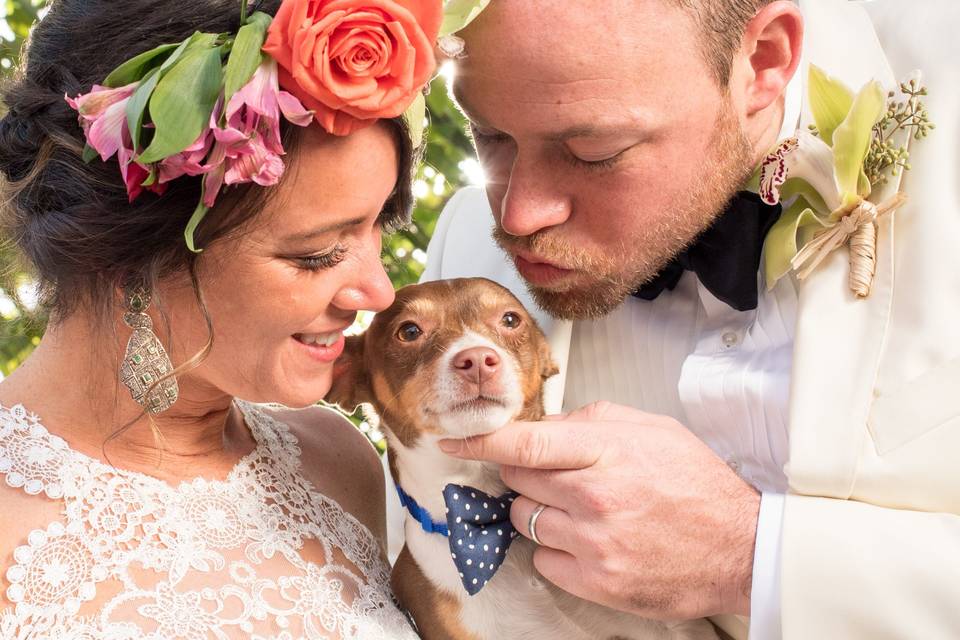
(322, 261)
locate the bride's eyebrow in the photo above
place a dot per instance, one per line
(320, 231)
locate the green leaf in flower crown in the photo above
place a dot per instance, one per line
(138, 104)
(197, 41)
(182, 103)
(830, 102)
(198, 215)
(457, 14)
(781, 244)
(89, 153)
(151, 178)
(415, 116)
(137, 67)
(245, 56)
(851, 141)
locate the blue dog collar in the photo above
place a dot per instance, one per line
(422, 515)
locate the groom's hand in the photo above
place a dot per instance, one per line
(641, 515)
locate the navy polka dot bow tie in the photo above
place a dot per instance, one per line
(480, 533)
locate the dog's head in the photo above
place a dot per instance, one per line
(452, 358)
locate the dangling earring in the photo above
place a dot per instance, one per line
(146, 361)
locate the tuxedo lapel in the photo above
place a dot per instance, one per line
(839, 337)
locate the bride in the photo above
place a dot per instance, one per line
(142, 498)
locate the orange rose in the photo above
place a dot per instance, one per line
(354, 61)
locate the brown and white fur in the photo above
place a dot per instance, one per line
(453, 359)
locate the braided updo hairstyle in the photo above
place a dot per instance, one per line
(72, 221)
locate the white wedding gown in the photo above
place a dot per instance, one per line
(127, 556)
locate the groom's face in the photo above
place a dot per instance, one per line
(607, 142)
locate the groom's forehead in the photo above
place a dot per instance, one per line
(550, 38)
(583, 57)
(581, 100)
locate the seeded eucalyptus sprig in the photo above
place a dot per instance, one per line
(910, 115)
(902, 115)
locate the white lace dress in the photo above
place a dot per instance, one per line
(126, 556)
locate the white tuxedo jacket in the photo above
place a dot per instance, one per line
(871, 537)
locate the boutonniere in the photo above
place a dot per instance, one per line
(825, 176)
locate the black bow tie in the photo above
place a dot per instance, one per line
(726, 257)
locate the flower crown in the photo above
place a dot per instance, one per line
(210, 106)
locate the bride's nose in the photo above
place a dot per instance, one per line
(368, 288)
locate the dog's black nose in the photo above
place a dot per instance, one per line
(478, 364)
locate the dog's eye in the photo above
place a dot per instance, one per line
(409, 332)
(510, 320)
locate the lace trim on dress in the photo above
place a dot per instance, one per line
(205, 559)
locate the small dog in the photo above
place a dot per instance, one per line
(453, 359)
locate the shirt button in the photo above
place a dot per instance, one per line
(730, 339)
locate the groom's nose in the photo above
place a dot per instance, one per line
(533, 201)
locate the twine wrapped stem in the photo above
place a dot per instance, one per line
(858, 228)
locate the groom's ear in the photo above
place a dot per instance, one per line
(769, 55)
(351, 382)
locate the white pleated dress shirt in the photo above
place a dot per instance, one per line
(723, 373)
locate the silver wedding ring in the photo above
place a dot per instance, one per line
(532, 524)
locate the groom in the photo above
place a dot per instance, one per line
(779, 454)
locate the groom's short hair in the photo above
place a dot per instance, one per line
(722, 24)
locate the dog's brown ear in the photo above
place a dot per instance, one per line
(351, 386)
(548, 368)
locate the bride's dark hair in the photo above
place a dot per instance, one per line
(72, 221)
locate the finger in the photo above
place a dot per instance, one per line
(554, 417)
(560, 568)
(535, 445)
(553, 487)
(554, 526)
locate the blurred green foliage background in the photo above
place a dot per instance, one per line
(449, 165)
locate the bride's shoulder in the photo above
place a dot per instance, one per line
(339, 461)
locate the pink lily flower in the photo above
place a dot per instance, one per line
(248, 149)
(134, 174)
(258, 105)
(188, 162)
(103, 116)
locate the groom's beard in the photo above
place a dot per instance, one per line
(607, 278)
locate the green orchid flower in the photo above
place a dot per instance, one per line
(821, 178)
